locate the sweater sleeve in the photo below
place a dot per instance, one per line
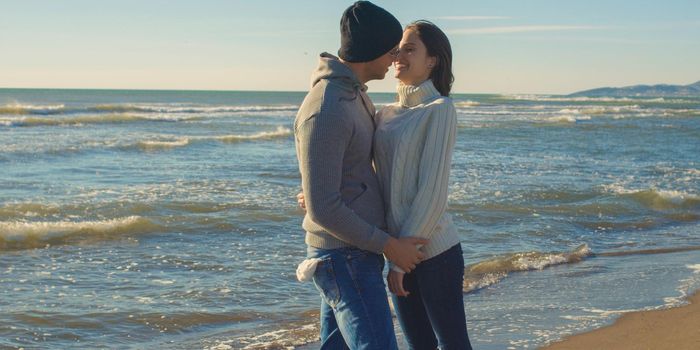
(433, 174)
(321, 144)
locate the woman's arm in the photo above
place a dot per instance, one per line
(430, 202)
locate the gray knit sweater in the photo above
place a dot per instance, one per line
(413, 154)
(333, 130)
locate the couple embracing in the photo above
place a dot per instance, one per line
(375, 186)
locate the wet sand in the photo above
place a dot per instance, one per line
(676, 328)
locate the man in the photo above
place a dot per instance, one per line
(344, 222)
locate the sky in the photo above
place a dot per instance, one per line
(515, 46)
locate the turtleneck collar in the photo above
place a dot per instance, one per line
(411, 95)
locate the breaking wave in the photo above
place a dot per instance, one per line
(492, 271)
(85, 119)
(657, 199)
(159, 144)
(26, 235)
(23, 109)
(16, 108)
(280, 132)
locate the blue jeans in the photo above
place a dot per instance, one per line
(355, 311)
(433, 313)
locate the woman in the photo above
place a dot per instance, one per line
(413, 147)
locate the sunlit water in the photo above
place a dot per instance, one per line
(135, 219)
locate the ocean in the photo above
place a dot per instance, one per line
(168, 219)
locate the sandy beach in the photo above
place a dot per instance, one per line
(672, 329)
(675, 328)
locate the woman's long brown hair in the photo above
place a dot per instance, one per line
(438, 46)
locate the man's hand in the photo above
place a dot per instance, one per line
(301, 201)
(395, 282)
(404, 253)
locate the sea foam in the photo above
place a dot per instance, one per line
(562, 119)
(466, 104)
(157, 144)
(280, 132)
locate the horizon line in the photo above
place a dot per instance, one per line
(243, 90)
(305, 91)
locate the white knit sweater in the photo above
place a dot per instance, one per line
(413, 147)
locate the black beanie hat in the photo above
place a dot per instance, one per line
(367, 31)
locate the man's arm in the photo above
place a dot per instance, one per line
(402, 253)
(430, 202)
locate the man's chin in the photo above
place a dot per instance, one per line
(380, 76)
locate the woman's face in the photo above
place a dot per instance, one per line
(413, 65)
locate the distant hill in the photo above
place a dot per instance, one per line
(661, 90)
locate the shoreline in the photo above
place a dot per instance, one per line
(672, 328)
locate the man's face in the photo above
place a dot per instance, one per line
(380, 66)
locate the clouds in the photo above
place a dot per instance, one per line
(472, 18)
(522, 29)
(510, 28)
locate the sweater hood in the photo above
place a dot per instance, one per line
(330, 68)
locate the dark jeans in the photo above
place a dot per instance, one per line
(433, 314)
(354, 306)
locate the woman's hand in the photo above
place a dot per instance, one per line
(301, 201)
(395, 282)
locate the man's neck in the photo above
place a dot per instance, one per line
(359, 69)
